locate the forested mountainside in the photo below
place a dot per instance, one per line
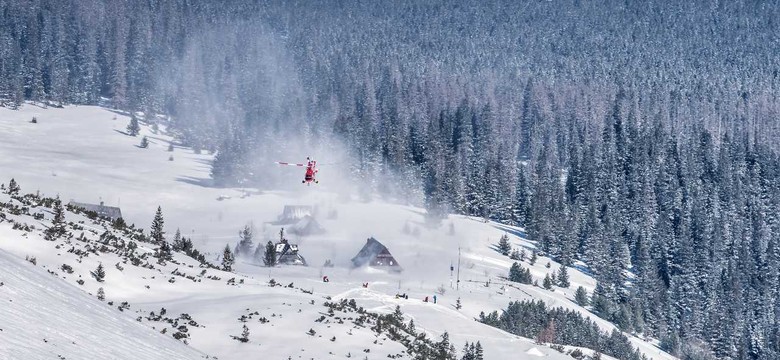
(638, 137)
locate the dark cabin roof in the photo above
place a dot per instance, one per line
(307, 226)
(375, 254)
(101, 210)
(294, 213)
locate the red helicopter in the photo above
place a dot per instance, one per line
(311, 170)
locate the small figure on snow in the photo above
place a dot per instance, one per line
(426, 299)
(434, 299)
(325, 278)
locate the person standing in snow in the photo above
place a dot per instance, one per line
(434, 299)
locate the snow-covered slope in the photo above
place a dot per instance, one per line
(81, 153)
(42, 317)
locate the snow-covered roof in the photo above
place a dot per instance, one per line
(102, 210)
(306, 226)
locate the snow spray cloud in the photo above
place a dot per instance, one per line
(235, 91)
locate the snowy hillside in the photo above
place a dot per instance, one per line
(82, 154)
(45, 318)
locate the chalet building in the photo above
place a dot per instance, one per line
(375, 255)
(287, 254)
(101, 210)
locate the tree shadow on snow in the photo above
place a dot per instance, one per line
(511, 230)
(205, 162)
(202, 182)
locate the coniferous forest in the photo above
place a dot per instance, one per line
(640, 138)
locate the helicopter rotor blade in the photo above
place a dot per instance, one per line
(289, 164)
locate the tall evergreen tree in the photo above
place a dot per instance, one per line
(245, 243)
(581, 296)
(269, 258)
(156, 233)
(57, 228)
(503, 245)
(99, 274)
(227, 259)
(563, 277)
(133, 128)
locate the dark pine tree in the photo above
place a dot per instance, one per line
(13, 187)
(518, 274)
(563, 277)
(99, 274)
(227, 259)
(178, 244)
(57, 228)
(269, 257)
(156, 233)
(581, 296)
(245, 334)
(547, 283)
(245, 243)
(503, 245)
(133, 128)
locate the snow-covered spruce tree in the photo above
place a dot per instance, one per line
(57, 228)
(269, 257)
(458, 304)
(227, 259)
(600, 301)
(503, 245)
(468, 352)
(119, 223)
(133, 128)
(245, 243)
(157, 236)
(563, 277)
(144, 143)
(13, 187)
(444, 349)
(244, 334)
(547, 283)
(581, 296)
(164, 252)
(478, 352)
(178, 243)
(101, 295)
(156, 233)
(100, 273)
(519, 274)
